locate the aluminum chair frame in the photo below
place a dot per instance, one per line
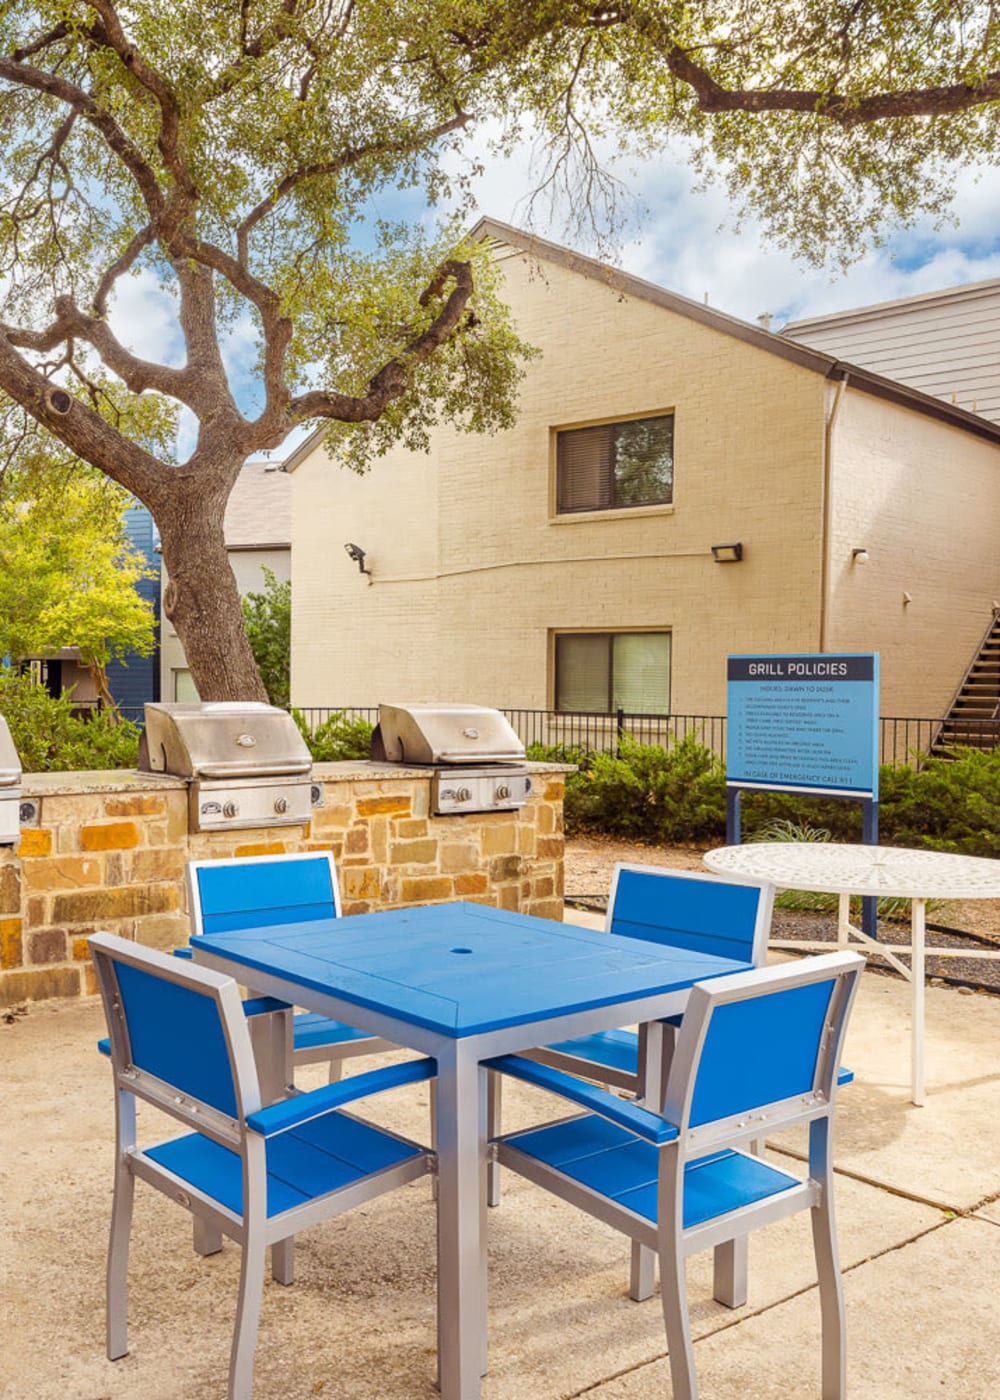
(686, 1139)
(233, 1116)
(315, 1039)
(617, 1058)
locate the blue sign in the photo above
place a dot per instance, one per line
(808, 723)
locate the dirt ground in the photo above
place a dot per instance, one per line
(590, 861)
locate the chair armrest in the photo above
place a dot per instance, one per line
(104, 1046)
(183, 953)
(844, 1076)
(635, 1119)
(302, 1108)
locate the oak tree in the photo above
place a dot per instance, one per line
(243, 153)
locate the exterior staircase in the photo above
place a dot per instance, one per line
(973, 719)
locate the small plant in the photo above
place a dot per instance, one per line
(782, 829)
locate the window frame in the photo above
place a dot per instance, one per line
(558, 634)
(560, 514)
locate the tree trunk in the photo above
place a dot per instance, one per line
(107, 701)
(201, 598)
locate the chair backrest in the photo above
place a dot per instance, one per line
(254, 891)
(730, 917)
(761, 1048)
(178, 1035)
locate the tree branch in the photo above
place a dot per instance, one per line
(137, 374)
(22, 75)
(836, 107)
(119, 267)
(394, 378)
(110, 34)
(344, 161)
(82, 430)
(845, 110)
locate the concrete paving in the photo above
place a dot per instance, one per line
(918, 1199)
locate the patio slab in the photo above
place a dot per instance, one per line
(918, 1326)
(360, 1321)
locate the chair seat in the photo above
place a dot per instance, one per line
(309, 1030)
(610, 1161)
(302, 1164)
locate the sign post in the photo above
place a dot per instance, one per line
(805, 723)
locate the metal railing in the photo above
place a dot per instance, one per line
(903, 740)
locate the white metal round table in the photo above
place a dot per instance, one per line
(833, 868)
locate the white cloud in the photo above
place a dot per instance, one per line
(144, 318)
(686, 241)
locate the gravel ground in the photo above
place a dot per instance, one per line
(590, 861)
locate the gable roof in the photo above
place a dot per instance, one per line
(512, 241)
(259, 509)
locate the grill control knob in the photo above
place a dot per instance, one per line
(503, 792)
(281, 804)
(462, 794)
(230, 809)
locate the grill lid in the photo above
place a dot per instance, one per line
(222, 739)
(10, 764)
(447, 734)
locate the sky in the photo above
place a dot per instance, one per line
(678, 239)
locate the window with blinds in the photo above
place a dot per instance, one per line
(598, 672)
(615, 465)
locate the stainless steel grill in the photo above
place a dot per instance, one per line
(246, 763)
(10, 788)
(478, 760)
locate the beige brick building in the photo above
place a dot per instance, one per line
(570, 558)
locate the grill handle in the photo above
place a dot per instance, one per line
(253, 770)
(471, 755)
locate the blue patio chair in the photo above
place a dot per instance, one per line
(179, 1040)
(756, 1052)
(253, 891)
(685, 909)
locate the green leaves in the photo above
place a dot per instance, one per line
(67, 568)
(267, 617)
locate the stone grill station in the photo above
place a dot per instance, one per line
(106, 850)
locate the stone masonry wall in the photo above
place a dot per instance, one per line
(109, 849)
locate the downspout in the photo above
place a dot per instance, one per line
(825, 563)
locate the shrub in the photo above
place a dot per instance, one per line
(338, 737)
(677, 794)
(50, 738)
(650, 793)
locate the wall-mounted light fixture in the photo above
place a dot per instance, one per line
(727, 553)
(356, 553)
(859, 556)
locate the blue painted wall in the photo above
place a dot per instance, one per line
(138, 681)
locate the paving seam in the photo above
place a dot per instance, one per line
(725, 1326)
(888, 1187)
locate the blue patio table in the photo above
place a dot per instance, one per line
(463, 982)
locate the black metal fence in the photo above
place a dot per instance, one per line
(903, 740)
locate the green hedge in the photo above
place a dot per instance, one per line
(50, 738)
(676, 794)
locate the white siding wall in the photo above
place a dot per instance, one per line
(945, 343)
